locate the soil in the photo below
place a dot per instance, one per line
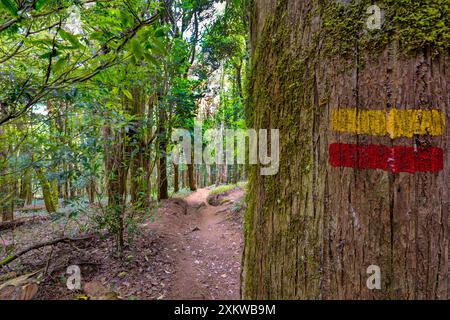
(207, 245)
(187, 250)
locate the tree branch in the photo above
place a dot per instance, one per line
(17, 255)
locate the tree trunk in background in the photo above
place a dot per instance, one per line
(73, 192)
(26, 188)
(162, 154)
(148, 161)
(6, 191)
(213, 170)
(238, 88)
(47, 191)
(92, 191)
(313, 229)
(209, 175)
(176, 178)
(219, 174)
(66, 186)
(137, 148)
(191, 177)
(107, 159)
(184, 178)
(55, 191)
(117, 185)
(118, 164)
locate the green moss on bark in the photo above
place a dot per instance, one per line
(415, 24)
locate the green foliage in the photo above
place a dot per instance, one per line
(183, 193)
(11, 6)
(238, 206)
(90, 93)
(414, 24)
(56, 44)
(225, 39)
(222, 189)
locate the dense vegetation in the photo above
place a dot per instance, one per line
(99, 97)
(91, 91)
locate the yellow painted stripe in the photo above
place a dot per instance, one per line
(396, 123)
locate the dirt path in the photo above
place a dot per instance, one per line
(206, 244)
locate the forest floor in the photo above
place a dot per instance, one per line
(207, 245)
(188, 249)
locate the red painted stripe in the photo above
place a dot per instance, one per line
(397, 159)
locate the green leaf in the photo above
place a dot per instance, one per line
(151, 59)
(70, 37)
(127, 94)
(59, 65)
(158, 47)
(160, 33)
(52, 53)
(137, 48)
(40, 4)
(11, 6)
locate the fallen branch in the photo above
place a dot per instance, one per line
(13, 257)
(30, 208)
(6, 225)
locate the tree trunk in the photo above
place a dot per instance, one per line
(162, 165)
(26, 189)
(349, 194)
(92, 191)
(183, 177)
(6, 192)
(47, 191)
(138, 150)
(238, 88)
(108, 156)
(55, 192)
(66, 186)
(176, 178)
(118, 163)
(191, 177)
(117, 186)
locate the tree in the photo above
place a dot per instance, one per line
(44, 48)
(6, 189)
(342, 200)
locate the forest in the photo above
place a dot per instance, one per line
(224, 149)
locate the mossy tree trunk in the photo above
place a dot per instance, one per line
(6, 187)
(47, 191)
(313, 230)
(26, 187)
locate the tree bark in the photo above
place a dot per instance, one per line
(6, 189)
(176, 178)
(191, 177)
(47, 191)
(26, 189)
(92, 190)
(162, 165)
(313, 229)
(138, 150)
